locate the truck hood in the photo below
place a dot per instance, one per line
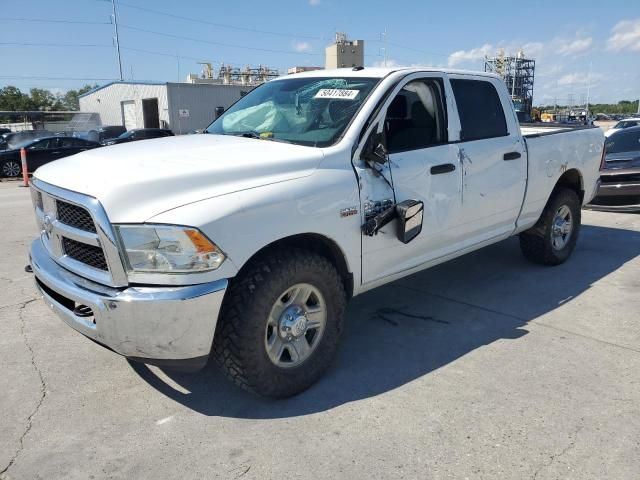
(138, 180)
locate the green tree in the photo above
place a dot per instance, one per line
(44, 100)
(70, 100)
(11, 98)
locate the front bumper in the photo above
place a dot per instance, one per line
(172, 326)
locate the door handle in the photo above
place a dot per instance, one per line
(512, 156)
(444, 168)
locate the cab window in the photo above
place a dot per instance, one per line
(480, 109)
(415, 117)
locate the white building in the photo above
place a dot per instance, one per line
(182, 107)
(344, 53)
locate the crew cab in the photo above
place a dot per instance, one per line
(245, 243)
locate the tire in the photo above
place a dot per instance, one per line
(11, 169)
(545, 245)
(245, 342)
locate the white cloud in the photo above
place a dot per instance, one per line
(580, 78)
(533, 49)
(548, 70)
(571, 78)
(302, 47)
(575, 46)
(625, 35)
(462, 56)
(314, 3)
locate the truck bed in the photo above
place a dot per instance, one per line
(530, 130)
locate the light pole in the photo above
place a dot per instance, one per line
(117, 37)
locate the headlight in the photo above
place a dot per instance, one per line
(168, 249)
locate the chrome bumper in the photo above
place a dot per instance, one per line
(161, 325)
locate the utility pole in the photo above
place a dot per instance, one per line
(117, 37)
(385, 46)
(588, 90)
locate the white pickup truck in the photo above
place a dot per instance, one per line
(244, 243)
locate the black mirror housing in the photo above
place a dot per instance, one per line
(374, 150)
(410, 214)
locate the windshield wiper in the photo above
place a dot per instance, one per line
(247, 134)
(254, 134)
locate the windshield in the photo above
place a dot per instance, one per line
(305, 111)
(127, 134)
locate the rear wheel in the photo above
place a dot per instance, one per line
(552, 239)
(280, 323)
(11, 168)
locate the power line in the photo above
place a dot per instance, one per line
(123, 47)
(22, 44)
(220, 44)
(49, 20)
(35, 77)
(215, 24)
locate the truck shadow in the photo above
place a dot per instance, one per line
(406, 330)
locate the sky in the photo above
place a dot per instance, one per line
(580, 47)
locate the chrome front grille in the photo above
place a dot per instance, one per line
(77, 234)
(87, 254)
(75, 216)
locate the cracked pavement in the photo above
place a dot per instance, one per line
(484, 367)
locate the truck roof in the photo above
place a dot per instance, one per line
(379, 72)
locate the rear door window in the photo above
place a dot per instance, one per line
(480, 109)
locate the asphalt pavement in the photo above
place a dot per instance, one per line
(484, 367)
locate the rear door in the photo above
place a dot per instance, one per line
(423, 166)
(492, 155)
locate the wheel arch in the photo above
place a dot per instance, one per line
(316, 243)
(573, 180)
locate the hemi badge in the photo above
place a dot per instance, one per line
(347, 212)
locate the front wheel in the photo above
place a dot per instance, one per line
(280, 323)
(552, 239)
(11, 168)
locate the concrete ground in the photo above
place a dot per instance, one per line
(485, 367)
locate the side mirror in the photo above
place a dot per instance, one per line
(410, 214)
(374, 150)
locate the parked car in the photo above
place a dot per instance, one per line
(40, 152)
(620, 175)
(622, 124)
(313, 188)
(103, 133)
(14, 138)
(4, 130)
(139, 134)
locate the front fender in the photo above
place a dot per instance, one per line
(242, 223)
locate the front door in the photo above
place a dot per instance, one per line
(129, 114)
(43, 151)
(422, 166)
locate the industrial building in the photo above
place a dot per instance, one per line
(182, 107)
(299, 69)
(518, 73)
(228, 75)
(344, 53)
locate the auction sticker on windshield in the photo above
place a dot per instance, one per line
(337, 93)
